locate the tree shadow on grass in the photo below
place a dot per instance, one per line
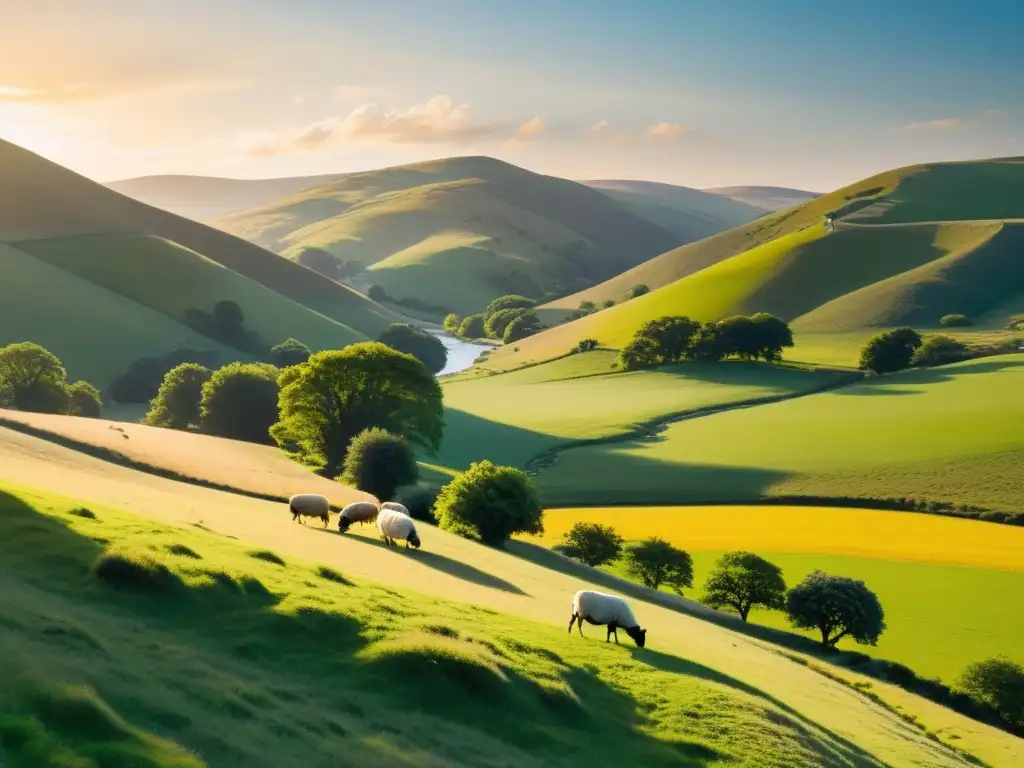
(884, 385)
(439, 562)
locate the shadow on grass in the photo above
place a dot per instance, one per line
(883, 385)
(224, 670)
(439, 562)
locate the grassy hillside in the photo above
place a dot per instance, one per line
(909, 246)
(40, 201)
(76, 320)
(947, 586)
(205, 197)
(527, 232)
(240, 650)
(765, 198)
(953, 434)
(517, 416)
(690, 214)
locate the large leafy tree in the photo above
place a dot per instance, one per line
(741, 580)
(672, 334)
(424, 346)
(592, 543)
(335, 395)
(890, 350)
(34, 378)
(176, 405)
(489, 503)
(998, 682)
(836, 607)
(771, 336)
(656, 562)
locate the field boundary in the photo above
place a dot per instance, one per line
(120, 459)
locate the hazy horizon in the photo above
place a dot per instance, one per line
(800, 94)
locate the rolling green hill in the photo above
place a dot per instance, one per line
(201, 198)
(688, 213)
(129, 272)
(426, 230)
(908, 246)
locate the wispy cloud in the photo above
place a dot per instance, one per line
(437, 121)
(531, 129)
(665, 130)
(600, 128)
(661, 131)
(944, 124)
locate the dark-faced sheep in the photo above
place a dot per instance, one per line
(357, 512)
(310, 505)
(394, 525)
(601, 609)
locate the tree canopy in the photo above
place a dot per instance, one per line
(379, 462)
(509, 301)
(637, 290)
(496, 323)
(836, 606)
(240, 401)
(452, 323)
(521, 327)
(592, 543)
(472, 327)
(940, 350)
(34, 378)
(490, 503)
(999, 683)
(289, 352)
(656, 562)
(415, 341)
(176, 404)
(889, 351)
(336, 394)
(85, 400)
(741, 580)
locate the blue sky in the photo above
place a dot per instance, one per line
(794, 93)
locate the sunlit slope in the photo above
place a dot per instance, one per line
(205, 197)
(169, 278)
(41, 200)
(690, 214)
(450, 568)
(79, 321)
(952, 434)
(539, 232)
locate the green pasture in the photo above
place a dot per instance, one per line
(954, 433)
(513, 417)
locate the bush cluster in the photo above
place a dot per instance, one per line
(507, 319)
(34, 379)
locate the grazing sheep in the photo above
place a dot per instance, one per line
(396, 507)
(310, 505)
(599, 608)
(357, 512)
(394, 525)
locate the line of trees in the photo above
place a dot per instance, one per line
(507, 319)
(900, 348)
(674, 338)
(34, 379)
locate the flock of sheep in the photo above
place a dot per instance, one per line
(394, 523)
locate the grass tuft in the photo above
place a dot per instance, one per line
(183, 551)
(332, 575)
(83, 512)
(267, 556)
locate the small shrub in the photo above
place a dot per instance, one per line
(490, 503)
(592, 544)
(637, 290)
(585, 345)
(266, 556)
(332, 575)
(889, 351)
(955, 321)
(85, 400)
(379, 462)
(656, 562)
(376, 293)
(129, 570)
(940, 350)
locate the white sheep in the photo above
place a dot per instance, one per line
(599, 608)
(310, 505)
(394, 525)
(357, 512)
(394, 505)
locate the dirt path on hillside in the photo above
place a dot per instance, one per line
(453, 568)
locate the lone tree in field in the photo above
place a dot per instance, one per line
(240, 402)
(656, 562)
(85, 400)
(34, 378)
(836, 606)
(998, 683)
(424, 346)
(379, 462)
(489, 503)
(890, 350)
(337, 394)
(742, 580)
(592, 543)
(176, 405)
(637, 290)
(289, 352)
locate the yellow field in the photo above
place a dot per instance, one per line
(241, 466)
(901, 536)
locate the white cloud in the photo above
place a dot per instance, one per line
(600, 128)
(437, 121)
(531, 129)
(665, 130)
(953, 123)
